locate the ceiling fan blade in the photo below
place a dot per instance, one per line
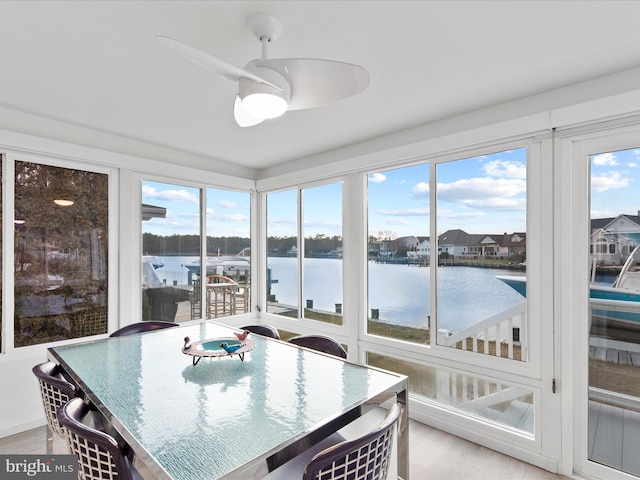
(209, 62)
(242, 117)
(316, 82)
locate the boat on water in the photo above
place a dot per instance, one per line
(233, 266)
(156, 262)
(619, 301)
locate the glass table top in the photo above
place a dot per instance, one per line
(207, 420)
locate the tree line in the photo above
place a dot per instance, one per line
(189, 245)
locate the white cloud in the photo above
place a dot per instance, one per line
(227, 204)
(491, 193)
(323, 224)
(377, 178)
(421, 189)
(632, 164)
(414, 212)
(608, 181)
(454, 214)
(149, 192)
(506, 169)
(604, 159)
(498, 203)
(397, 221)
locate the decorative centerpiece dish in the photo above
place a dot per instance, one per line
(217, 347)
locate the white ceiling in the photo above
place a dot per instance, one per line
(97, 64)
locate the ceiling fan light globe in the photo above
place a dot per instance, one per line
(264, 105)
(264, 100)
(242, 117)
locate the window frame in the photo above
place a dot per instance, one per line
(131, 219)
(9, 159)
(343, 333)
(537, 200)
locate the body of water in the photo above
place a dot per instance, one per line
(400, 293)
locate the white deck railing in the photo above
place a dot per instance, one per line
(477, 395)
(498, 329)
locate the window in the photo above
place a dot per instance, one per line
(174, 283)
(322, 263)
(61, 269)
(613, 393)
(486, 398)
(282, 253)
(399, 254)
(171, 251)
(318, 254)
(228, 252)
(481, 204)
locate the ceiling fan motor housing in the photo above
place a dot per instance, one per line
(264, 100)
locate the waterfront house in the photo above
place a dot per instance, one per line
(612, 239)
(423, 250)
(458, 243)
(468, 102)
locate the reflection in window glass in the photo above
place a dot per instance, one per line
(481, 214)
(322, 265)
(497, 402)
(282, 253)
(171, 252)
(228, 252)
(61, 244)
(614, 343)
(398, 222)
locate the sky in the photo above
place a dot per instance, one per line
(615, 180)
(228, 212)
(485, 194)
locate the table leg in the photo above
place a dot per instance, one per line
(403, 436)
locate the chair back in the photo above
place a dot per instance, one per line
(220, 279)
(99, 454)
(320, 343)
(140, 327)
(366, 457)
(264, 330)
(55, 390)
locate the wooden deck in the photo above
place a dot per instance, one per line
(614, 436)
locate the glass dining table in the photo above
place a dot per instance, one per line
(225, 418)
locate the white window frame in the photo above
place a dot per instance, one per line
(573, 272)
(9, 157)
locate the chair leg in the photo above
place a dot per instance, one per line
(50, 434)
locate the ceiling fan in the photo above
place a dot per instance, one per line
(267, 87)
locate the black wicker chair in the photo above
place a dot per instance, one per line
(265, 330)
(366, 457)
(100, 455)
(140, 327)
(56, 390)
(362, 456)
(320, 343)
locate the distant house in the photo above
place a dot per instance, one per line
(457, 243)
(398, 247)
(613, 239)
(480, 246)
(423, 249)
(513, 244)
